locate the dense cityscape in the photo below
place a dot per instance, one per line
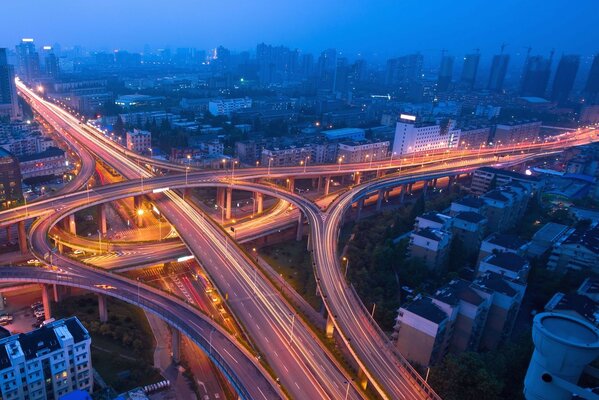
(338, 217)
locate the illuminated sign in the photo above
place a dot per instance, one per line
(407, 117)
(186, 258)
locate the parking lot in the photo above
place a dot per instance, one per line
(18, 304)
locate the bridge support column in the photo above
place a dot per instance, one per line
(46, 301)
(425, 188)
(330, 328)
(22, 237)
(229, 200)
(357, 178)
(451, 181)
(220, 196)
(72, 224)
(300, 227)
(57, 291)
(327, 185)
(176, 345)
(291, 184)
(380, 173)
(379, 199)
(434, 183)
(102, 219)
(102, 308)
(9, 233)
(360, 207)
(259, 202)
(362, 379)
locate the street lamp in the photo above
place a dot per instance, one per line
(233, 171)
(100, 241)
(339, 162)
(392, 154)
(346, 265)
(269, 162)
(306, 163)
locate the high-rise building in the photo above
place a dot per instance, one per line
(51, 67)
(28, 60)
(413, 137)
(445, 73)
(564, 77)
(469, 70)
(46, 363)
(591, 89)
(536, 76)
(498, 71)
(9, 105)
(404, 75)
(327, 69)
(10, 179)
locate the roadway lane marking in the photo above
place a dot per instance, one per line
(225, 350)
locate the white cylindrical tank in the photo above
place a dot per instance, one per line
(564, 345)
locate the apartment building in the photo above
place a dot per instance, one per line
(508, 265)
(431, 246)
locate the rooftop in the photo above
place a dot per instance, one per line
(496, 283)
(580, 304)
(588, 238)
(505, 240)
(470, 201)
(509, 261)
(457, 290)
(424, 307)
(511, 174)
(470, 216)
(50, 152)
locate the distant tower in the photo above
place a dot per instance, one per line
(498, 70)
(445, 73)
(564, 345)
(28, 60)
(536, 76)
(50, 62)
(469, 70)
(564, 78)
(591, 89)
(9, 105)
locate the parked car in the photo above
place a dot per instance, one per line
(5, 319)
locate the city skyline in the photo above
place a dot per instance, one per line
(384, 29)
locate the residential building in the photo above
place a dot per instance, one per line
(589, 288)
(10, 179)
(576, 305)
(474, 137)
(445, 73)
(138, 100)
(498, 71)
(139, 141)
(508, 265)
(591, 88)
(469, 70)
(352, 134)
(468, 204)
(431, 246)
(469, 227)
(21, 138)
(502, 243)
(28, 60)
(414, 137)
(578, 250)
(432, 220)
(505, 207)
(484, 178)
(516, 132)
(535, 76)
(46, 363)
(506, 297)
(84, 95)
(285, 155)
(564, 78)
(228, 106)
(9, 105)
(52, 161)
(364, 151)
(471, 310)
(422, 329)
(404, 76)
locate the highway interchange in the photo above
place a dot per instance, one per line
(305, 368)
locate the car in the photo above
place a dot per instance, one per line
(37, 304)
(33, 261)
(5, 319)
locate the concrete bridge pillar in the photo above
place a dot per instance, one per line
(102, 308)
(380, 173)
(357, 178)
(330, 328)
(451, 181)
(22, 237)
(220, 196)
(72, 224)
(57, 292)
(259, 202)
(229, 201)
(425, 188)
(402, 196)
(410, 188)
(291, 184)
(102, 219)
(176, 345)
(379, 199)
(46, 301)
(360, 207)
(327, 185)
(9, 233)
(300, 227)
(434, 183)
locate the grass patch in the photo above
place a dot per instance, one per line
(123, 347)
(293, 262)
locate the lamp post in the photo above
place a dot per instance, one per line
(269, 162)
(100, 241)
(346, 265)
(339, 162)
(391, 161)
(306, 163)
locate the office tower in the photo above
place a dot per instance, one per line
(564, 77)
(445, 73)
(28, 60)
(498, 71)
(9, 105)
(536, 76)
(591, 89)
(46, 363)
(306, 65)
(469, 70)
(10, 179)
(404, 75)
(51, 66)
